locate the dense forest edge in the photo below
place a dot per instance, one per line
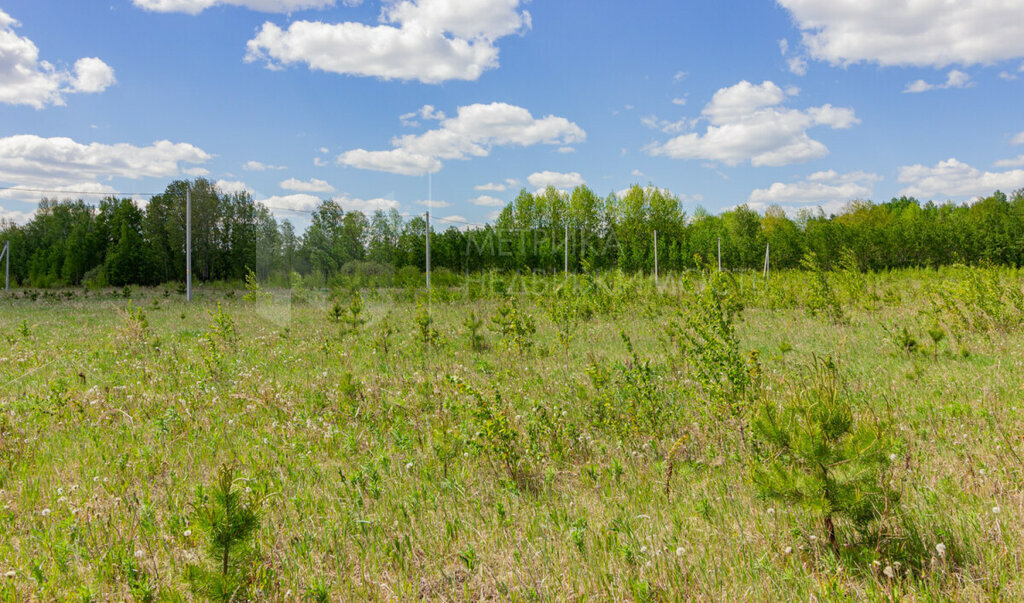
(119, 242)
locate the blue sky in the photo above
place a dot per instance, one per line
(796, 102)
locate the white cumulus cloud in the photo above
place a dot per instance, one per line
(924, 33)
(953, 178)
(313, 185)
(955, 79)
(50, 163)
(749, 122)
(194, 7)
(542, 180)
(231, 186)
(1018, 138)
(427, 40)
(818, 188)
(304, 202)
(26, 80)
(1017, 161)
(257, 166)
(487, 201)
(473, 132)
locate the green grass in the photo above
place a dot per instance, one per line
(386, 475)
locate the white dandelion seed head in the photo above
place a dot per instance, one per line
(940, 549)
(888, 571)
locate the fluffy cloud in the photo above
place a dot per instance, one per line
(15, 216)
(818, 188)
(302, 202)
(473, 132)
(25, 80)
(396, 161)
(312, 186)
(925, 33)
(78, 190)
(668, 127)
(432, 203)
(50, 163)
(955, 79)
(1017, 161)
(92, 75)
(748, 122)
(427, 40)
(1018, 138)
(953, 178)
(231, 186)
(367, 206)
(424, 112)
(194, 7)
(256, 166)
(561, 181)
(487, 201)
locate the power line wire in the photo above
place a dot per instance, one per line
(96, 193)
(270, 207)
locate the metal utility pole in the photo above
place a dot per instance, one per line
(655, 258)
(430, 204)
(188, 242)
(719, 254)
(428, 252)
(567, 249)
(6, 253)
(766, 248)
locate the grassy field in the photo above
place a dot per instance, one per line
(575, 449)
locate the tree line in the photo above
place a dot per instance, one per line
(117, 242)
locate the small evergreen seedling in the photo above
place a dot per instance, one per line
(937, 333)
(815, 455)
(254, 291)
(336, 312)
(473, 325)
(229, 523)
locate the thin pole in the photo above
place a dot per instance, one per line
(188, 242)
(7, 269)
(766, 248)
(719, 254)
(567, 249)
(655, 257)
(428, 253)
